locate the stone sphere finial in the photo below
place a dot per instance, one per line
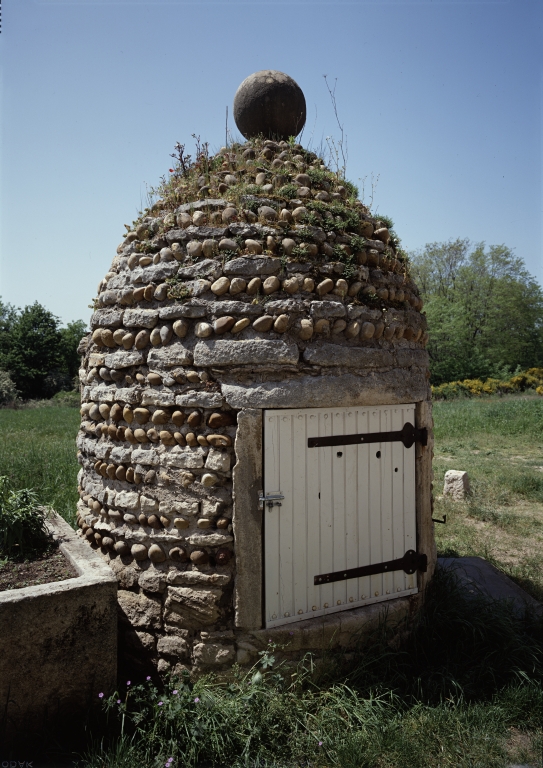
(269, 103)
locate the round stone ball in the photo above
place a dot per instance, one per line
(269, 103)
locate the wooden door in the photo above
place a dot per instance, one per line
(344, 506)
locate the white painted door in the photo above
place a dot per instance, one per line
(344, 506)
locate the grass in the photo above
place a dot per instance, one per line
(499, 442)
(462, 690)
(37, 451)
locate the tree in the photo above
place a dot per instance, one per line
(70, 338)
(40, 357)
(484, 309)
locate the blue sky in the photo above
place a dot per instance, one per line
(442, 100)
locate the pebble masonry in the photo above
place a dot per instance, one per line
(256, 281)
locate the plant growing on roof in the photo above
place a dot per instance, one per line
(337, 149)
(386, 221)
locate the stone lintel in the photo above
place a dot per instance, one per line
(372, 388)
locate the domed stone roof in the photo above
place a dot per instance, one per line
(256, 280)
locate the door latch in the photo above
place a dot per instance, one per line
(270, 499)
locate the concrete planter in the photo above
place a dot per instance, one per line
(58, 644)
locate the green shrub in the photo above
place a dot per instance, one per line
(8, 390)
(289, 191)
(23, 532)
(72, 398)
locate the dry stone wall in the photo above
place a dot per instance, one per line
(270, 288)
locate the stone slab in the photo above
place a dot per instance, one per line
(170, 356)
(191, 308)
(228, 307)
(209, 268)
(342, 629)
(408, 357)
(161, 398)
(122, 359)
(327, 309)
(348, 357)
(140, 318)
(106, 318)
(199, 205)
(154, 273)
(109, 394)
(200, 400)
(245, 352)
(480, 578)
(250, 266)
(206, 233)
(374, 388)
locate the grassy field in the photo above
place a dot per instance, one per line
(499, 442)
(37, 450)
(462, 691)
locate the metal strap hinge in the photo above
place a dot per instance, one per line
(412, 561)
(408, 435)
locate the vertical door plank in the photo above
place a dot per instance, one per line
(364, 541)
(398, 530)
(326, 507)
(352, 535)
(299, 511)
(337, 461)
(313, 485)
(271, 522)
(386, 499)
(285, 515)
(409, 496)
(376, 550)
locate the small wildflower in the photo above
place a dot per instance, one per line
(118, 701)
(175, 693)
(320, 743)
(196, 700)
(148, 677)
(100, 695)
(171, 170)
(160, 703)
(128, 682)
(291, 633)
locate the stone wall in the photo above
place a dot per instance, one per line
(58, 647)
(212, 311)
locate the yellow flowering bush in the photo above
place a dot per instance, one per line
(520, 382)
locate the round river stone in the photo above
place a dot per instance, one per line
(269, 103)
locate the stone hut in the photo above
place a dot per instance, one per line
(256, 433)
